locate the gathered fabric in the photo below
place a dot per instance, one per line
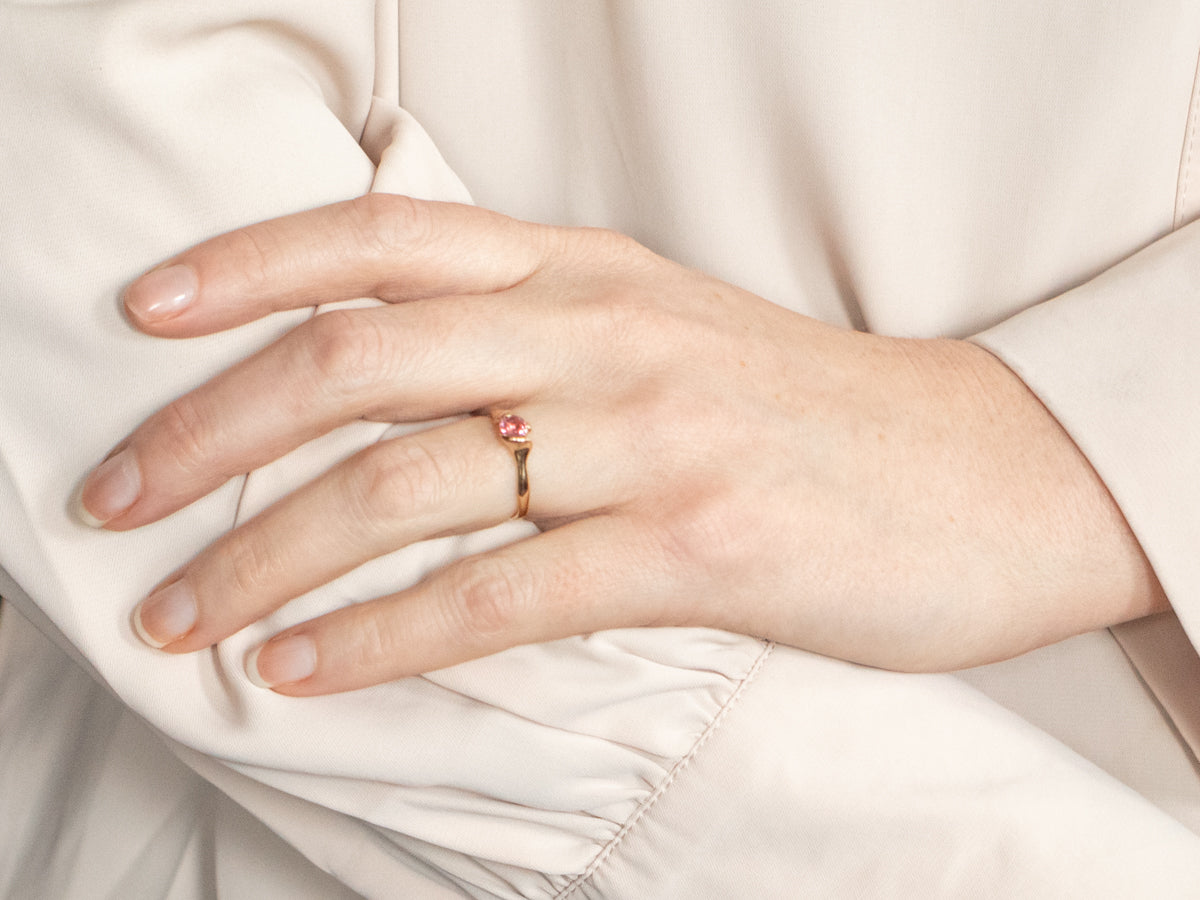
(939, 174)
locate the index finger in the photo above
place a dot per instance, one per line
(386, 246)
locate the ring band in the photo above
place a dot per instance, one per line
(514, 432)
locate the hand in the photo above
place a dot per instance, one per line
(701, 457)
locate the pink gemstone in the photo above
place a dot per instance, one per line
(512, 427)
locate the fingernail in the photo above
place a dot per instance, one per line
(166, 615)
(282, 661)
(112, 488)
(161, 294)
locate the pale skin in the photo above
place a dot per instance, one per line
(701, 457)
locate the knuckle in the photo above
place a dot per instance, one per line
(704, 535)
(489, 596)
(601, 246)
(621, 246)
(387, 223)
(256, 251)
(623, 314)
(396, 480)
(348, 351)
(618, 319)
(378, 639)
(187, 435)
(252, 566)
(626, 314)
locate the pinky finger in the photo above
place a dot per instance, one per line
(591, 575)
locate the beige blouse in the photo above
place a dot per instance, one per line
(1019, 173)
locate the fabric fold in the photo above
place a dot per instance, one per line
(525, 761)
(1114, 361)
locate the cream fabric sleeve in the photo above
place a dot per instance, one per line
(1115, 360)
(587, 766)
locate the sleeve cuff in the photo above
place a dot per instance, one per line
(1116, 361)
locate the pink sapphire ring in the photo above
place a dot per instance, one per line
(514, 432)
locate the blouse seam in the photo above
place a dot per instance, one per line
(615, 842)
(1183, 181)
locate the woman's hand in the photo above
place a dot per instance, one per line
(700, 457)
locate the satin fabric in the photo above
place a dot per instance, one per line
(923, 170)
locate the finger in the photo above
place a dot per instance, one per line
(381, 245)
(435, 482)
(447, 480)
(594, 574)
(386, 363)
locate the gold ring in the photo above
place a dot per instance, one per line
(514, 432)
